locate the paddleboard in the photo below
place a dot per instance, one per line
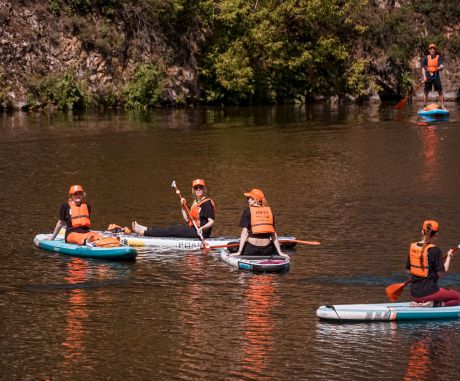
(58, 245)
(260, 264)
(385, 312)
(433, 112)
(178, 243)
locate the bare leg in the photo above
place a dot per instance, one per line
(139, 229)
(441, 99)
(425, 99)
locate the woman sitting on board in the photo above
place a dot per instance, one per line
(202, 212)
(75, 215)
(258, 236)
(425, 263)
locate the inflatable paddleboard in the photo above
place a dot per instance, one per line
(177, 243)
(58, 245)
(273, 264)
(433, 110)
(385, 312)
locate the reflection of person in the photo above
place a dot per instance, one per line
(75, 215)
(425, 263)
(432, 65)
(258, 236)
(202, 212)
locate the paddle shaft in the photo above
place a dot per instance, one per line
(401, 104)
(200, 235)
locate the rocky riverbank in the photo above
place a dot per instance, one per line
(59, 54)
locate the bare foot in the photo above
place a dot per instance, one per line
(139, 229)
(424, 304)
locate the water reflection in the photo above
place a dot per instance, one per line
(257, 341)
(428, 351)
(77, 313)
(430, 136)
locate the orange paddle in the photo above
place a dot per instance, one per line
(394, 290)
(403, 102)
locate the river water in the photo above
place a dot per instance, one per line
(359, 179)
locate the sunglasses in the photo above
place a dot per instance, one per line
(198, 187)
(77, 194)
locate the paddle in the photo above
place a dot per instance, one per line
(394, 290)
(200, 235)
(281, 241)
(403, 102)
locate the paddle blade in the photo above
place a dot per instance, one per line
(173, 184)
(401, 104)
(394, 290)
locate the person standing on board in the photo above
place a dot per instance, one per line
(75, 215)
(258, 236)
(202, 212)
(432, 65)
(425, 264)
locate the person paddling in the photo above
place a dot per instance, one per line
(258, 236)
(202, 212)
(432, 65)
(425, 264)
(75, 215)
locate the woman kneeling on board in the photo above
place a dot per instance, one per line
(425, 263)
(258, 236)
(202, 213)
(75, 215)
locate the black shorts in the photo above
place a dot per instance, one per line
(433, 82)
(182, 231)
(266, 251)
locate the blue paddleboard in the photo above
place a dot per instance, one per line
(58, 245)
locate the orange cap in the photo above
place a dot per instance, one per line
(256, 194)
(198, 182)
(432, 46)
(75, 188)
(434, 225)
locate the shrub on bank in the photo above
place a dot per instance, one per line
(145, 89)
(63, 91)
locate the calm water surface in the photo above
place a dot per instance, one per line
(359, 179)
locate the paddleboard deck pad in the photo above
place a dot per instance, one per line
(433, 112)
(259, 264)
(58, 245)
(385, 312)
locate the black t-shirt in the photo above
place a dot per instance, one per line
(206, 212)
(245, 222)
(420, 286)
(64, 215)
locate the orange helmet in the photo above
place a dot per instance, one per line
(432, 46)
(198, 182)
(75, 188)
(256, 194)
(433, 224)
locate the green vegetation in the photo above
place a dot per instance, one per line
(63, 91)
(145, 88)
(250, 51)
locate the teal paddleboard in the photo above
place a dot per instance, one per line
(58, 245)
(385, 312)
(434, 112)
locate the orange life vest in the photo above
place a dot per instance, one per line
(195, 211)
(261, 220)
(432, 63)
(79, 215)
(419, 259)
